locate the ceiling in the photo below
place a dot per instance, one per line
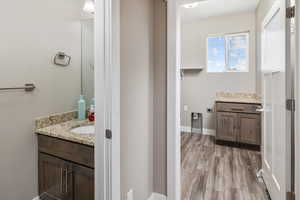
(209, 8)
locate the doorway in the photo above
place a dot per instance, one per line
(202, 135)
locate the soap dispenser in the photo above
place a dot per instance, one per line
(81, 108)
(91, 116)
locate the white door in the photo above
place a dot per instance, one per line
(275, 116)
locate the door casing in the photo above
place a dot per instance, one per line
(107, 99)
(297, 97)
(173, 146)
(173, 113)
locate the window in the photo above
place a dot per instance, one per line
(228, 53)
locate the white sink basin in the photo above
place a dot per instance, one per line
(90, 129)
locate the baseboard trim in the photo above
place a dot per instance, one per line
(157, 196)
(206, 131)
(185, 129)
(36, 198)
(210, 132)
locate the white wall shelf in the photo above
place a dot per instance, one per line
(192, 68)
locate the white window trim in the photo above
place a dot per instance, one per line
(226, 35)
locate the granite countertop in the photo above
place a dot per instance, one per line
(238, 98)
(59, 126)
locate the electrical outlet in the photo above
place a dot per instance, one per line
(185, 108)
(129, 195)
(209, 110)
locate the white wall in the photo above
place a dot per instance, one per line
(31, 33)
(199, 88)
(137, 18)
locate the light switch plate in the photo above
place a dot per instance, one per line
(185, 108)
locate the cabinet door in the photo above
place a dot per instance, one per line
(226, 126)
(53, 181)
(249, 125)
(83, 183)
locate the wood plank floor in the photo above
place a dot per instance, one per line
(215, 172)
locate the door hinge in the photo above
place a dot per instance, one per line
(291, 105)
(290, 196)
(291, 12)
(108, 134)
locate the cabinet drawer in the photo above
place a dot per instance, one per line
(237, 107)
(74, 152)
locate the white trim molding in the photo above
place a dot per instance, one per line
(206, 131)
(157, 196)
(36, 198)
(210, 132)
(100, 142)
(107, 99)
(186, 129)
(173, 102)
(297, 96)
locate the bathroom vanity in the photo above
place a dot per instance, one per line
(238, 120)
(65, 160)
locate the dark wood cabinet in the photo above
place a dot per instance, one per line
(226, 124)
(83, 183)
(249, 126)
(61, 177)
(54, 181)
(238, 123)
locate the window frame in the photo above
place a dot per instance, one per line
(226, 36)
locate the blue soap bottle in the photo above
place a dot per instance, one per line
(81, 108)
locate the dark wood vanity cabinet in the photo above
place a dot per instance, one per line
(60, 178)
(83, 183)
(54, 178)
(249, 129)
(226, 123)
(238, 123)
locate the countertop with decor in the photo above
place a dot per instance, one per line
(60, 126)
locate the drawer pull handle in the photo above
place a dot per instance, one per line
(66, 171)
(61, 180)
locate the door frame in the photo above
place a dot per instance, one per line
(173, 101)
(173, 109)
(297, 96)
(107, 99)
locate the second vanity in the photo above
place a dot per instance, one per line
(238, 119)
(65, 158)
